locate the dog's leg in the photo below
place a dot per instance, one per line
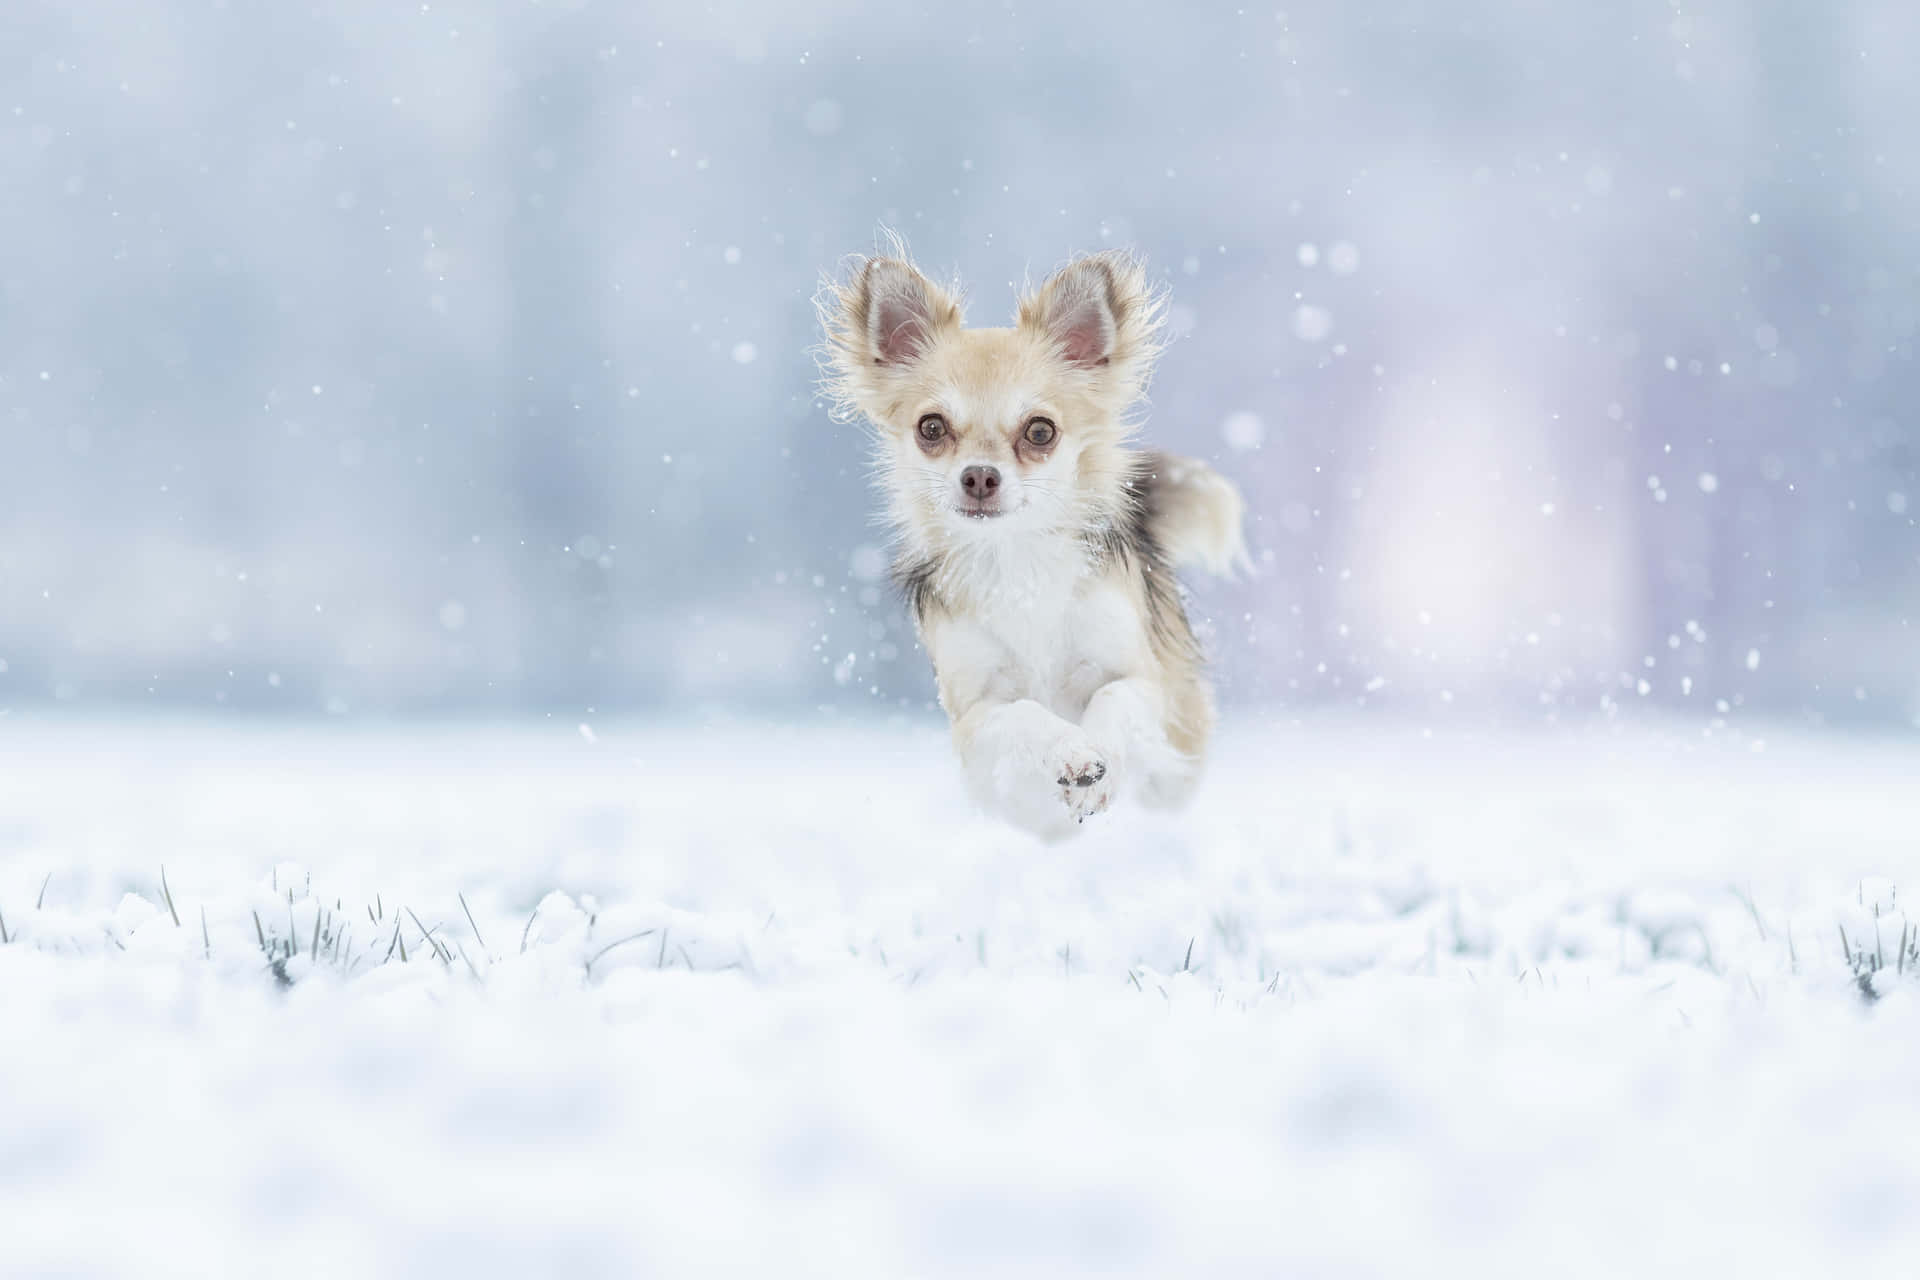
(1031, 767)
(1172, 787)
(1126, 719)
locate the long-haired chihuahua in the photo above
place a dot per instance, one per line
(1035, 546)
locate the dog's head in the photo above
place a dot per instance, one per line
(984, 432)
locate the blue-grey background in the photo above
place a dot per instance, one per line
(375, 357)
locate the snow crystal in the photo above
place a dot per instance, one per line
(745, 353)
(1243, 430)
(867, 562)
(1311, 323)
(1344, 258)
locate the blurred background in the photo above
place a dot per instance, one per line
(372, 359)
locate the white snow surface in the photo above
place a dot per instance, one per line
(749, 1000)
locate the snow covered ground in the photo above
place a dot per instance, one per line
(750, 1000)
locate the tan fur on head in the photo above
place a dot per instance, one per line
(1098, 315)
(1078, 359)
(865, 353)
(1103, 303)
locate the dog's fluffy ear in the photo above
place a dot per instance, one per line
(901, 311)
(1101, 316)
(879, 321)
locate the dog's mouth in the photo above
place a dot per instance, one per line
(987, 515)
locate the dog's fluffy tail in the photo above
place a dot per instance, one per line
(1196, 515)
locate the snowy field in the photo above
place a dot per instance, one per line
(748, 1000)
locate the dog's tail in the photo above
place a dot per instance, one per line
(1195, 514)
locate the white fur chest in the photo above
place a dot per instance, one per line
(1038, 624)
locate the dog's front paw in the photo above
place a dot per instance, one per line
(1082, 777)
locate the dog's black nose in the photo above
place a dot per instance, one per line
(981, 483)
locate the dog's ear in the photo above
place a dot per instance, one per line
(879, 321)
(1074, 310)
(1099, 314)
(900, 312)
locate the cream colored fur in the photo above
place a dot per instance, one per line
(1060, 644)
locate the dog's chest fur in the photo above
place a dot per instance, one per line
(1041, 622)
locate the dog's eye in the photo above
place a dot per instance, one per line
(1040, 433)
(932, 428)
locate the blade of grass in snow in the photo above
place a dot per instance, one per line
(621, 942)
(470, 922)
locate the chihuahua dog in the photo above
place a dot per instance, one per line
(1035, 547)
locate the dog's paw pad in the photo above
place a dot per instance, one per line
(1082, 778)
